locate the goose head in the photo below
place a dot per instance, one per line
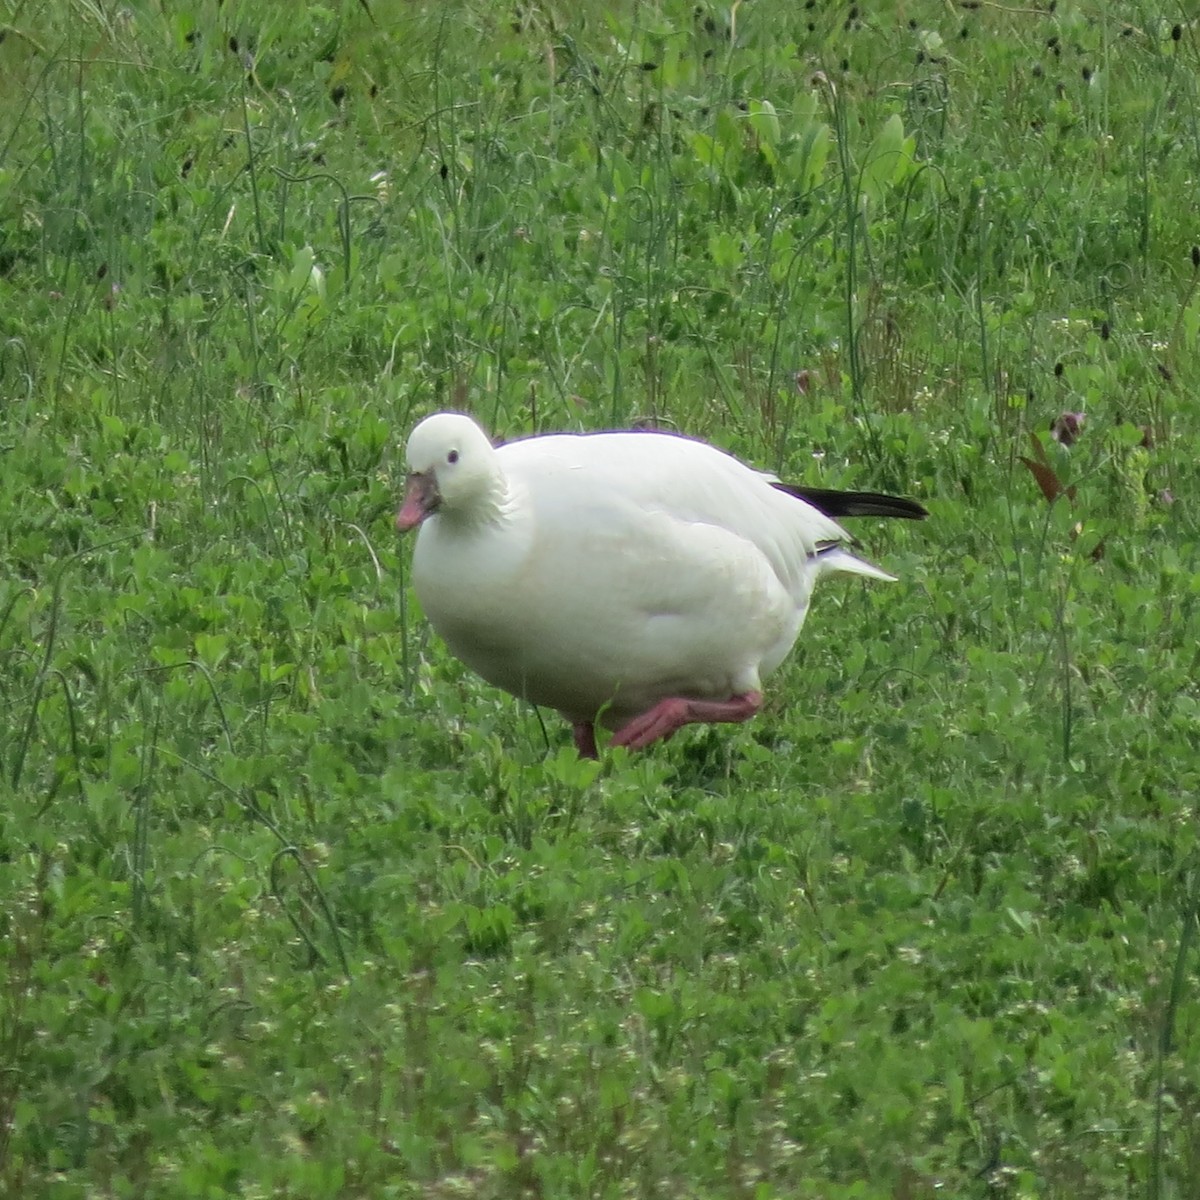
(452, 468)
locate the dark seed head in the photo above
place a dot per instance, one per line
(1176, 32)
(649, 66)
(1104, 331)
(1058, 370)
(444, 171)
(338, 94)
(1196, 257)
(1087, 74)
(233, 45)
(102, 270)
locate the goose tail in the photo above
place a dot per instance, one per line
(834, 557)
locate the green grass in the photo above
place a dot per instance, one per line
(293, 905)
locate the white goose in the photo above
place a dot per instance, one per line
(642, 580)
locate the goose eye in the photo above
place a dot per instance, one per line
(452, 457)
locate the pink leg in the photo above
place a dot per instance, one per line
(585, 739)
(669, 715)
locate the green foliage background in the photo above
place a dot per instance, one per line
(292, 905)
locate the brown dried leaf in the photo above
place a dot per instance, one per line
(1047, 478)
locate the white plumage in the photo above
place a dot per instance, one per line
(640, 579)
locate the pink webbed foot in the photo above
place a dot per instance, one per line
(584, 733)
(661, 721)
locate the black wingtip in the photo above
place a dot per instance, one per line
(855, 504)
